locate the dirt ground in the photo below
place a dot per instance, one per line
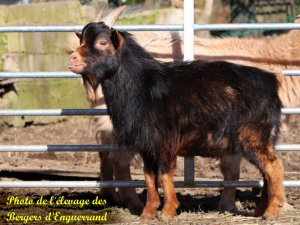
(198, 206)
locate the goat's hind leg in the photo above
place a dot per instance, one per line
(273, 190)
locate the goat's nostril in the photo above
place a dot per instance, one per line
(73, 56)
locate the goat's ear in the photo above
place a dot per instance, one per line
(117, 39)
(297, 19)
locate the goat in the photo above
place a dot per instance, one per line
(269, 53)
(206, 108)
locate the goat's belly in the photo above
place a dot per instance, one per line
(204, 152)
(206, 149)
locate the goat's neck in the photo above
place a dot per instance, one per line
(131, 91)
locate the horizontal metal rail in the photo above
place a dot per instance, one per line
(247, 26)
(53, 112)
(102, 148)
(46, 148)
(287, 147)
(138, 183)
(41, 74)
(83, 112)
(157, 27)
(291, 72)
(63, 74)
(290, 110)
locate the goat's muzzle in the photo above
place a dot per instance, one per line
(76, 63)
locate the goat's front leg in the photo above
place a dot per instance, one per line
(166, 178)
(152, 202)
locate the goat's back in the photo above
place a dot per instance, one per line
(208, 105)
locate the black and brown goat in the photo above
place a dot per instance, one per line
(211, 109)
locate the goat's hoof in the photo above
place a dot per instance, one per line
(164, 217)
(275, 209)
(271, 214)
(268, 216)
(147, 216)
(167, 214)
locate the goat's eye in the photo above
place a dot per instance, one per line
(101, 44)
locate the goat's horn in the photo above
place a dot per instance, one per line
(111, 18)
(100, 13)
(78, 33)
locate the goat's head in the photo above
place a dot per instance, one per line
(94, 58)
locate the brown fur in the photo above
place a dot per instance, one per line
(250, 136)
(150, 209)
(170, 200)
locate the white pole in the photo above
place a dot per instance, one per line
(188, 30)
(189, 162)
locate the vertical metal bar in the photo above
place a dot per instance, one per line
(189, 171)
(189, 55)
(188, 30)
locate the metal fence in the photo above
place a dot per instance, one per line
(188, 27)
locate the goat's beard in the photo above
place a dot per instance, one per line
(102, 69)
(95, 73)
(92, 87)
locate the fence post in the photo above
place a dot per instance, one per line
(189, 172)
